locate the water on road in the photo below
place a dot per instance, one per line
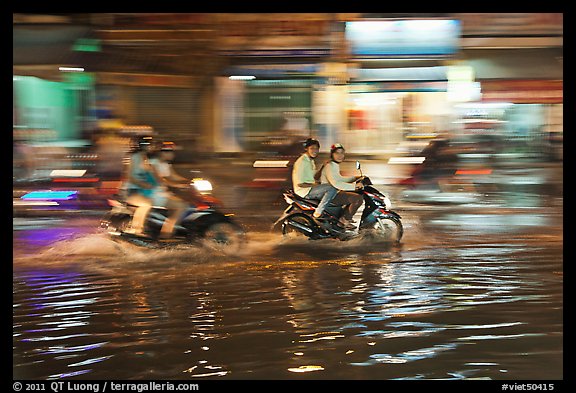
(469, 294)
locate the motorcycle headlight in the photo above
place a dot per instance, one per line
(202, 185)
(388, 203)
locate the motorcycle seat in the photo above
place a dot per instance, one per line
(135, 205)
(297, 197)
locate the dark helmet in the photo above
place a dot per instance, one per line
(311, 141)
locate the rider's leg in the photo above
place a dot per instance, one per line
(355, 203)
(143, 208)
(325, 192)
(351, 202)
(177, 206)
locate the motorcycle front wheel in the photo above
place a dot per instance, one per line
(389, 229)
(115, 225)
(224, 236)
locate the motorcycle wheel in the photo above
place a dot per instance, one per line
(296, 219)
(225, 237)
(117, 225)
(389, 228)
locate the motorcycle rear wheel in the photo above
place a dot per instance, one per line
(288, 229)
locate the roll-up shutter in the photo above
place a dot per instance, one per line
(174, 113)
(275, 111)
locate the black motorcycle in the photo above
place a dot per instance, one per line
(377, 218)
(202, 220)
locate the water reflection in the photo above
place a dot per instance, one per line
(344, 311)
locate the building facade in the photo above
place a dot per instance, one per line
(246, 82)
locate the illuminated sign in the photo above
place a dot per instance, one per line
(403, 37)
(388, 87)
(87, 45)
(50, 195)
(461, 84)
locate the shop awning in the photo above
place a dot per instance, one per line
(39, 50)
(44, 44)
(515, 63)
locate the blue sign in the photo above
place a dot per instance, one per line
(50, 195)
(403, 37)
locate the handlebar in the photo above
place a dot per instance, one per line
(364, 180)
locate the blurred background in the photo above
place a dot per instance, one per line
(425, 100)
(457, 117)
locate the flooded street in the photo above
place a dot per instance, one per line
(472, 292)
(227, 198)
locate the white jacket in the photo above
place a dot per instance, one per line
(331, 174)
(303, 172)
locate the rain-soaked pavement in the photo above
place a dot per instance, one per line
(474, 291)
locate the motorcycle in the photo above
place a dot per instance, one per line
(201, 220)
(377, 218)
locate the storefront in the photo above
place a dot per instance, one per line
(398, 86)
(51, 111)
(52, 98)
(522, 117)
(381, 116)
(265, 113)
(521, 101)
(518, 60)
(169, 104)
(264, 97)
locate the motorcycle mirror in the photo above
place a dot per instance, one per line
(358, 167)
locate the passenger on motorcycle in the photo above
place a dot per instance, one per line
(303, 178)
(140, 183)
(161, 161)
(330, 174)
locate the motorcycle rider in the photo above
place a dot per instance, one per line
(330, 174)
(303, 180)
(140, 184)
(161, 161)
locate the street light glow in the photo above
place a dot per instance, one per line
(241, 77)
(71, 69)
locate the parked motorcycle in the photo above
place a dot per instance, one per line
(377, 218)
(202, 220)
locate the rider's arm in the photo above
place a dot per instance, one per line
(174, 183)
(175, 176)
(333, 176)
(166, 174)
